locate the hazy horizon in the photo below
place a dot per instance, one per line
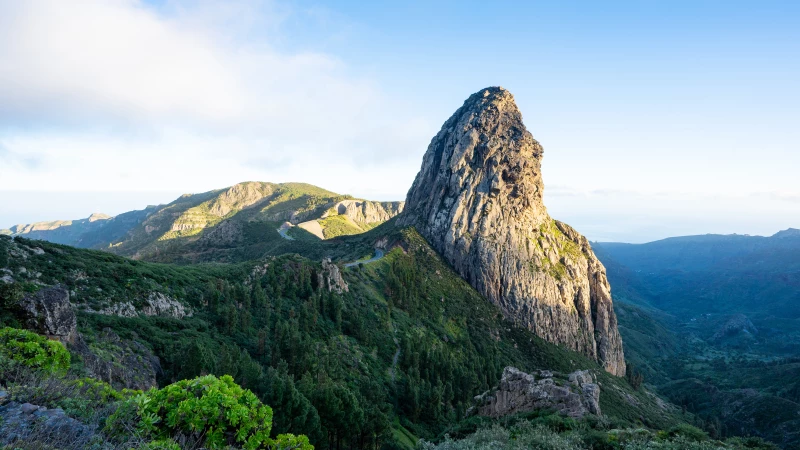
(637, 228)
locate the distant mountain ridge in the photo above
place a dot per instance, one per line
(710, 252)
(714, 322)
(218, 218)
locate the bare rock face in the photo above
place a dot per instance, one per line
(32, 426)
(367, 212)
(120, 362)
(331, 277)
(49, 312)
(156, 304)
(478, 200)
(521, 392)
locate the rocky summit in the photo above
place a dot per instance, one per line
(478, 200)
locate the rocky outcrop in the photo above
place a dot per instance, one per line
(518, 392)
(49, 312)
(331, 277)
(227, 233)
(478, 200)
(738, 324)
(23, 425)
(238, 197)
(367, 212)
(156, 304)
(121, 363)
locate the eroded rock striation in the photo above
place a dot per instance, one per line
(478, 200)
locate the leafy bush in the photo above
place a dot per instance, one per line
(165, 444)
(689, 432)
(215, 412)
(533, 434)
(33, 351)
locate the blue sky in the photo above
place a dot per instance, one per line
(657, 118)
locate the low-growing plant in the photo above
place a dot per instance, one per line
(162, 444)
(210, 411)
(689, 432)
(32, 351)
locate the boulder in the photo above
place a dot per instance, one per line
(522, 392)
(30, 426)
(49, 312)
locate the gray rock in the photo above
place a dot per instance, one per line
(38, 427)
(580, 377)
(331, 277)
(478, 201)
(122, 363)
(368, 212)
(591, 397)
(49, 312)
(521, 392)
(27, 408)
(158, 304)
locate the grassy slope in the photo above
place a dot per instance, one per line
(335, 226)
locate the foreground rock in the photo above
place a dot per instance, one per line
(518, 392)
(31, 426)
(478, 200)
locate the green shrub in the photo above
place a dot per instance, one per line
(689, 432)
(164, 444)
(10, 294)
(751, 442)
(84, 398)
(214, 412)
(33, 351)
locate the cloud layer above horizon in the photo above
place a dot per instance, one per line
(114, 95)
(656, 120)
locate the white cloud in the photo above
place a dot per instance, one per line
(113, 95)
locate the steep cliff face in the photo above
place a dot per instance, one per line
(367, 212)
(478, 201)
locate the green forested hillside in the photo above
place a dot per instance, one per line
(397, 356)
(712, 322)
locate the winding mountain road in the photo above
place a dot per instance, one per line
(378, 255)
(285, 229)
